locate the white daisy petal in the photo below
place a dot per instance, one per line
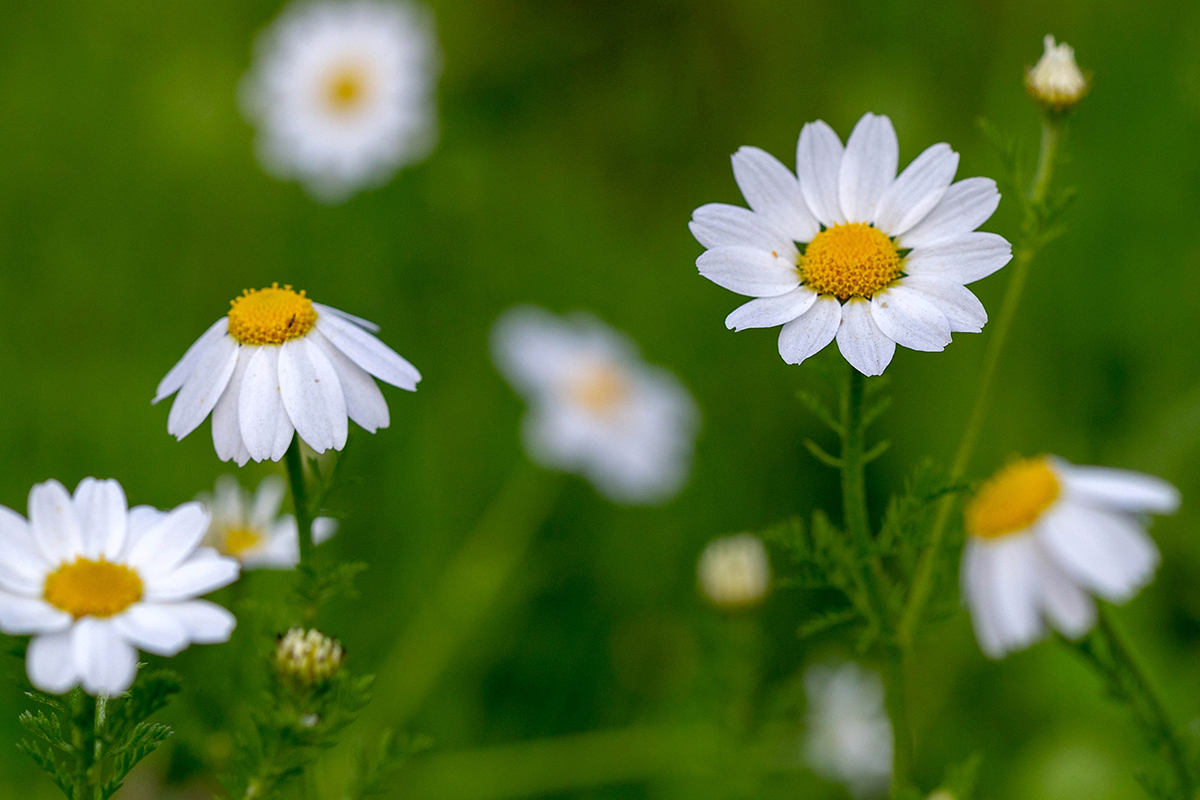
(105, 662)
(1070, 609)
(722, 225)
(50, 662)
(862, 343)
(749, 271)
(205, 622)
(102, 512)
(56, 529)
(917, 190)
(1105, 552)
(365, 324)
(818, 164)
(369, 353)
(964, 207)
(323, 529)
(142, 519)
(169, 541)
(868, 167)
(908, 319)
(186, 368)
(767, 312)
(20, 616)
(203, 387)
(268, 499)
(260, 403)
(312, 395)
(364, 401)
(773, 191)
(194, 577)
(1006, 596)
(964, 259)
(963, 310)
(810, 332)
(153, 628)
(226, 427)
(22, 568)
(1119, 489)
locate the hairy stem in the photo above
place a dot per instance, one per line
(295, 469)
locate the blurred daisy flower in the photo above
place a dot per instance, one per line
(94, 581)
(279, 363)
(849, 250)
(1043, 536)
(597, 409)
(733, 571)
(342, 93)
(849, 735)
(250, 528)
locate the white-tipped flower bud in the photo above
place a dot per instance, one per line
(307, 658)
(733, 571)
(1056, 81)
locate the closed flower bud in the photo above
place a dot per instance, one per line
(307, 658)
(733, 571)
(1056, 81)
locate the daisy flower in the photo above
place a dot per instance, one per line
(342, 93)
(733, 571)
(597, 409)
(1044, 536)
(250, 528)
(1055, 80)
(278, 363)
(94, 581)
(849, 734)
(847, 249)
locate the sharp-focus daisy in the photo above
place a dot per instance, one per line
(596, 408)
(848, 250)
(250, 527)
(342, 93)
(1043, 536)
(733, 571)
(279, 363)
(849, 735)
(94, 581)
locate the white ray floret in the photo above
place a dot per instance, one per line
(595, 407)
(250, 528)
(845, 249)
(342, 93)
(1046, 536)
(93, 581)
(279, 363)
(849, 736)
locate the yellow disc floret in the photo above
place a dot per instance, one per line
(850, 260)
(600, 390)
(346, 89)
(86, 588)
(1012, 499)
(270, 316)
(239, 540)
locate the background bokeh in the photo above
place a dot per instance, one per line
(576, 138)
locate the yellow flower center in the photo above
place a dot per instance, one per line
(239, 540)
(850, 260)
(86, 588)
(346, 89)
(1012, 499)
(270, 316)
(600, 390)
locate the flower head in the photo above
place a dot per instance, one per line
(342, 93)
(846, 249)
(279, 363)
(849, 734)
(1055, 80)
(250, 528)
(93, 581)
(1044, 536)
(307, 658)
(596, 408)
(733, 571)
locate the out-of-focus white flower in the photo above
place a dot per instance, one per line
(1045, 535)
(278, 363)
(884, 259)
(734, 571)
(849, 735)
(1055, 80)
(307, 658)
(595, 408)
(250, 527)
(94, 581)
(342, 93)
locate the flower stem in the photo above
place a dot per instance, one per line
(295, 468)
(897, 705)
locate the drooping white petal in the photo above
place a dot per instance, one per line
(186, 367)
(917, 190)
(773, 192)
(205, 622)
(1120, 489)
(169, 541)
(21, 616)
(369, 353)
(22, 567)
(1069, 608)
(365, 324)
(312, 395)
(260, 403)
(364, 401)
(50, 662)
(749, 271)
(55, 525)
(1104, 551)
(102, 512)
(767, 312)
(153, 628)
(226, 427)
(907, 318)
(104, 661)
(862, 343)
(723, 225)
(810, 332)
(964, 207)
(964, 259)
(818, 165)
(963, 310)
(868, 167)
(203, 387)
(195, 577)
(1001, 588)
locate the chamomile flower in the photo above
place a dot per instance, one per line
(733, 571)
(1044, 536)
(250, 528)
(596, 409)
(846, 249)
(94, 581)
(342, 93)
(279, 363)
(849, 734)
(1056, 81)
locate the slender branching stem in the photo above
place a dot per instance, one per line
(295, 468)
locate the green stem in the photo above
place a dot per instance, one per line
(854, 493)
(295, 468)
(896, 678)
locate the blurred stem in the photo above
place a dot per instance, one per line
(1022, 258)
(897, 706)
(295, 468)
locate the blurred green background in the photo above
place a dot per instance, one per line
(576, 138)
